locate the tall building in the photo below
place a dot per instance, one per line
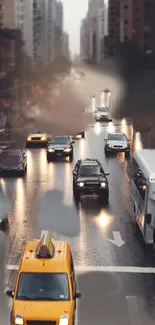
(100, 33)
(66, 52)
(113, 25)
(132, 20)
(93, 28)
(37, 30)
(18, 14)
(59, 14)
(51, 18)
(1, 13)
(84, 38)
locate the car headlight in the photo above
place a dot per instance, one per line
(19, 320)
(103, 184)
(43, 138)
(63, 320)
(81, 184)
(29, 139)
(67, 149)
(109, 145)
(50, 150)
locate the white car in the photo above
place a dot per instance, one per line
(117, 142)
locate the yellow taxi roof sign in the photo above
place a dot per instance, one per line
(45, 249)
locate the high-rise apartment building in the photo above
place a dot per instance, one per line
(132, 20)
(59, 14)
(100, 33)
(84, 38)
(51, 17)
(1, 13)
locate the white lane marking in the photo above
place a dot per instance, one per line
(133, 308)
(118, 241)
(118, 269)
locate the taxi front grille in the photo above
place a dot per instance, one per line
(41, 322)
(36, 138)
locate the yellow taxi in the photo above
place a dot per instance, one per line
(45, 289)
(37, 137)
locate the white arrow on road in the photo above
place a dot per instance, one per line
(118, 241)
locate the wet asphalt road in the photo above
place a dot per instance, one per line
(44, 201)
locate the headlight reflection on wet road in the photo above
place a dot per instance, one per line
(67, 184)
(104, 219)
(97, 128)
(82, 240)
(111, 127)
(138, 142)
(19, 203)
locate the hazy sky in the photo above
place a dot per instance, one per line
(74, 11)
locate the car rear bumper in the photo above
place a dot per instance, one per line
(103, 119)
(117, 149)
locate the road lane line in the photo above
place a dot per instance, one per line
(133, 309)
(111, 269)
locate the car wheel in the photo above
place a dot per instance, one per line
(127, 154)
(48, 158)
(71, 156)
(4, 224)
(22, 173)
(106, 152)
(76, 196)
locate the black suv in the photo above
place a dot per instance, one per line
(60, 146)
(89, 178)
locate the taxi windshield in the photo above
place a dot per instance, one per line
(43, 286)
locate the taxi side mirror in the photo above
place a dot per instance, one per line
(148, 218)
(107, 173)
(74, 173)
(78, 295)
(10, 293)
(73, 141)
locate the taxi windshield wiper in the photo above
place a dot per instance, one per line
(47, 299)
(24, 298)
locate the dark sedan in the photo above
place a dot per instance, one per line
(60, 146)
(13, 162)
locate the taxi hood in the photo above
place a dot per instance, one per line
(42, 310)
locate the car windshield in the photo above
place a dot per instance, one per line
(10, 156)
(60, 140)
(117, 137)
(89, 170)
(43, 286)
(102, 109)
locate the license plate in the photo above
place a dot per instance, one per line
(59, 153)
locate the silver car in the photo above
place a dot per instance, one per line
(117, 142)
(103, 114)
